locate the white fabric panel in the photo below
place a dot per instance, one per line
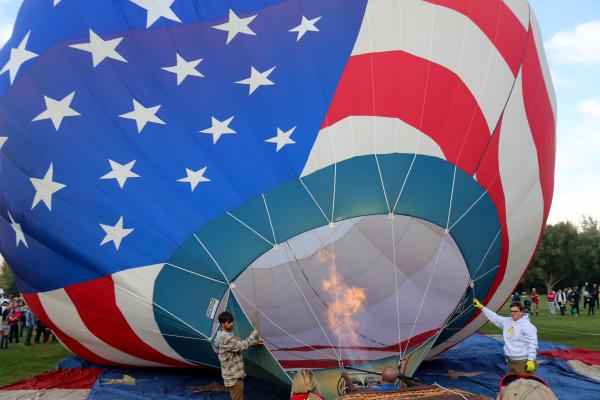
(519, 173)
(45, 394)
(520, 8)
(134, 290)
(457, 44)
(64, 315)
(280, 286)
(358, 136)
(539, 45)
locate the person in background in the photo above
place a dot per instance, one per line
(30, 322)
(591, 307)
(598, 296)
(4, 332)
(305, 386)
(551, 296)
(561, 299)
(13, 322)
(574, 298)
(516, 298)
(535, 301)
(594, 295)
(586, 295)
(520, 337)
(40, 329)
(230, 355)
(23, 311)
(389, 376)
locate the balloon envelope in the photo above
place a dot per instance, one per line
(342, 176)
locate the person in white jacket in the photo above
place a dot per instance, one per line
(520, 337)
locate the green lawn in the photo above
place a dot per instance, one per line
(22, 362)
(581, 332)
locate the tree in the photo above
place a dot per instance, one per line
(7, 281)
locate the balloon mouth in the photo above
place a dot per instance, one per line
(355, 293)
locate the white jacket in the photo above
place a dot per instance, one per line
(520, 337)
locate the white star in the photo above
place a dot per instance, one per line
(156, 9)
(305, 26)
(56, 2)
(219, 128)
(115, 233)
(18, 231)
(56, 110)
(18, 56)
(45, 188)
(3, 140)
(100, 49)
(143, 115)
(282, 138)
(120, 172)
(194, 177)
(257, 79)
(184, 68)
(236, 25)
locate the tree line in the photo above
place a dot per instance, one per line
(568, 255)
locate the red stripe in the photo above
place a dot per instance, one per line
(497, 21)
(415, 340)
(33, 301)
(421, 93)
(68, 378)
(319, 363)
(488, 176)
(541, 119)
(105, 320)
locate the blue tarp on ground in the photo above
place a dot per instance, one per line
(476, 365)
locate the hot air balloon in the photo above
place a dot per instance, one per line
(341, 175)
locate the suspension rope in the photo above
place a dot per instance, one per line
(270, 221)
(212, 258)
(195, 273)
(306, 300)
(250, 228)
(234, 289)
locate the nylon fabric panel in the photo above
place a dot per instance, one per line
(447, 112)
(63, 313)
(495, 18)
(103, 318)
(446, 38)
(133, 294)
(73, 345)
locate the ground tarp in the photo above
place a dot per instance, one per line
(476, 365)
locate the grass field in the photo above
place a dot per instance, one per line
(20, 362)
(581, 332)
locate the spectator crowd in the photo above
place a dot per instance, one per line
(18, 321)
(570, 300)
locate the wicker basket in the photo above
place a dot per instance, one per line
(418, 392)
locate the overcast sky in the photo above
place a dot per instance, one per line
(571, 31)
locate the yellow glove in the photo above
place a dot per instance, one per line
(477, 304)
(530, 366)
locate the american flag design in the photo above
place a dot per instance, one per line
(161, 156)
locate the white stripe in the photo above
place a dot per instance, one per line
(519, 173)
(134, 291)
(539, 45)
(520, 8)
(45, 394)
(458, 44)
(64, 315)
(358, 136)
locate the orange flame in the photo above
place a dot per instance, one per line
(345, 302)
(324, 255)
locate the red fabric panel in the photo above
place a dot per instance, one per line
(497, 22)
(34, 303)
(585, 356)
(69, 378)
(421, 93)
(541, 119)
(488, 176)
(105, 320)
(414, 341)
